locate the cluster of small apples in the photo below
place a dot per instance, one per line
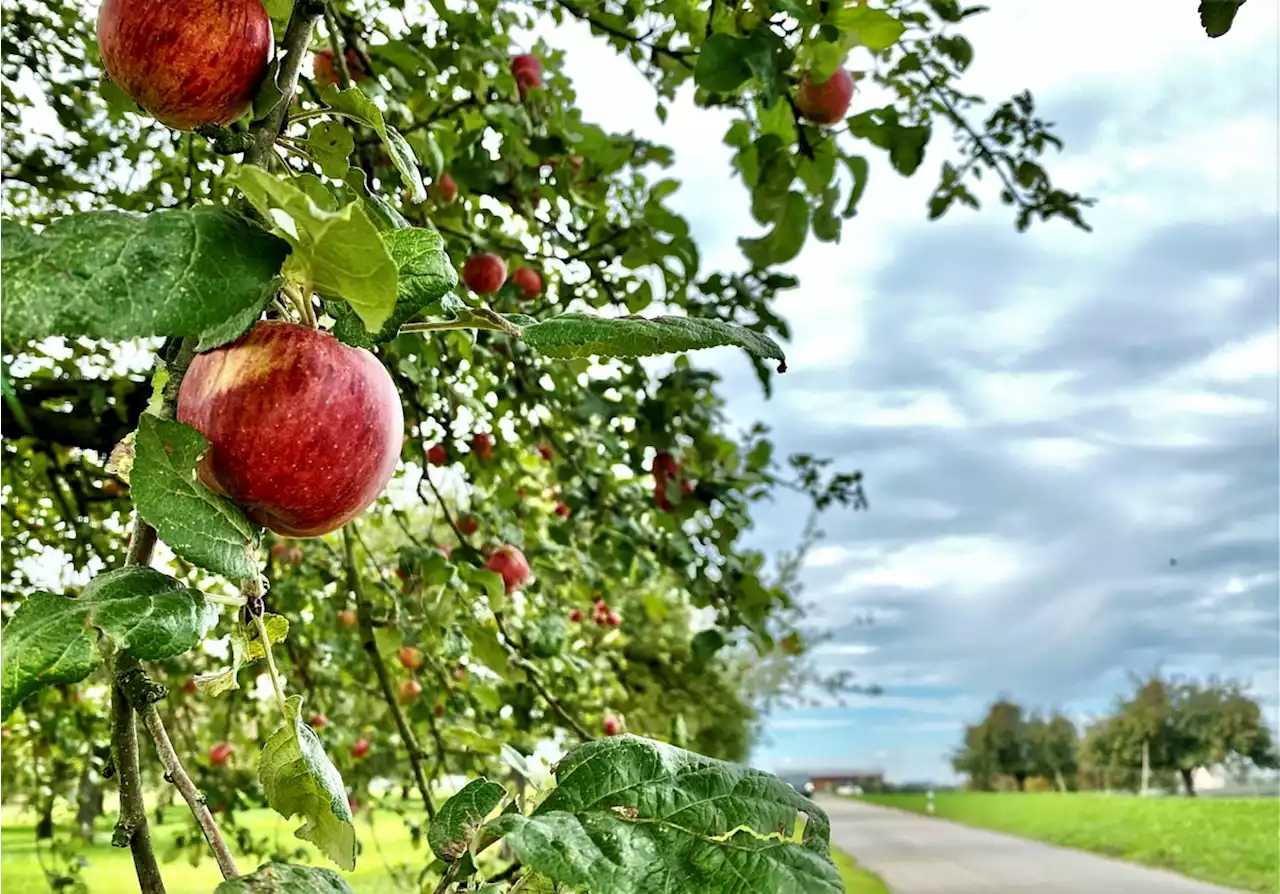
(601, 614)
(482, 445)
(485, 273)
(286, 554)
(411, 659)
(665, 471)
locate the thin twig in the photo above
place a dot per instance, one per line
(542, 690)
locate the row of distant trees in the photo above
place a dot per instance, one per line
(1157, 735)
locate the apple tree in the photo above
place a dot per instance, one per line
(334, 466)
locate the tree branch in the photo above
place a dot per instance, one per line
(132, 830)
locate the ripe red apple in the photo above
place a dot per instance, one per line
(438, 710)
(528, 281)
(437, 454)
(113, 488)
(319, 721)
(612, 619)
(190, 63)
(347, 617)
(612, 725)
(445, 189)
(527, 70)
(562, 509)
(575, 616)
(189, 687)
(665, 466)
(304, 431)
(326, 72)
(544, 450)
(484, 273)
(409, 691)
(219, 753)
(360, 749)
(468, 524)
(482, 445)
(511, 564)
(825, 102)
(410, 658)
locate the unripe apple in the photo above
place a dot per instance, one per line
(544, 450)
(347, 617)
(527, 70)
(528, 281)
(410, 658)
(437, 454)
(468, 524)
(360, 749)
(484, 273)
(445, 190)
(575, 616)
(482, 445)
(219, 753)
(409, 691)
(319, 721)
(511, 564)
(326, 72)
(189, 63)
(562, 509)
(612, 725)
(827, 101)
(304, 432)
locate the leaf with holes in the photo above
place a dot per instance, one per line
(352, 103)
(286, 878)
(246, 647)
(53, 639)
(455, 825)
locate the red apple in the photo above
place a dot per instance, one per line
(219, 753)
(409, 691)
(113, 488)
(527, 70)
(437, 454)
(278, 550)
(612, 619)
(544, 450)
(189, 687)
(410, 658)
(528, 281)
(190, 63)
(445, 189)
(484, 273)
(459, 673)
(360, 749)
(438, 710)
(347, 617)
(482, 445)
(319, 721)
(825, 102)
(665, 466)
(612, 725)
(447, 550)
(562, 509)
(304, 431)
(326, 72)
(511, 564)
(575, 616)
(468, 524)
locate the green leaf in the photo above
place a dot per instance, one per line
(1217, 16)
(197, 524)
(245, 649)
(575, 335)
(339, 254)
(113, 275)
(280, 11)
(877, 29)
(826, 225)
(297, 777)
(907, 150)
(425, 275)
(331, 144)
(286, 878)
(353, 104)
(52, 639)
(786, 238)
(858, 169)
(460, 817)
(704, 646)
(726, 62)
(635, 816)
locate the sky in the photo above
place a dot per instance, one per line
(1045, 419)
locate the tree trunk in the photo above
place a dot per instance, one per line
(1021, 780)
(1146, 765)
(1062, 782)
(1188, 783)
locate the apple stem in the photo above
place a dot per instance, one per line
(276, 683)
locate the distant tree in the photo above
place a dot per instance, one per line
(1053, 746)
(997, 745)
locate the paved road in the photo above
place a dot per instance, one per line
(918, 855)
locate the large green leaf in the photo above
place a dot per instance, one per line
(109, 274)
(338, 254)
(876, 29)
(53, 639)
(784, 241)
(634, 816)
(574, 335)
(1217, 16)
(197, 524)
(286, 878)
(352, 103)
(456, 823)
(726, 62)
(297, 777)
(425, 275)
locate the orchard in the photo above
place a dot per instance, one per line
(335, 474)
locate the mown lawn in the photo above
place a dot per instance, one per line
(1233, 842)
(386, 844)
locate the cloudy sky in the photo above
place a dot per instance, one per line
(1045, 419)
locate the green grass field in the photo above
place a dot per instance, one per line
(1234, 842)
(386, 844)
